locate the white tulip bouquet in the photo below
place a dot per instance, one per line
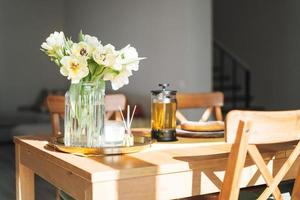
(88, 60)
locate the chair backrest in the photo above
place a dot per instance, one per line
(56, 106)
(266, 127)
(249, 128)
(112, 103)
(212, 101)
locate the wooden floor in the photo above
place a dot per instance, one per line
(43, 190)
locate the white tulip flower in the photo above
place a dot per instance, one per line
(75, 68)
(98, 55)
(126, 61)
(108, 57)
(130, 58)
(81, 49)
(118, 80)
(118, 63)
(54, 43)
(93, 42)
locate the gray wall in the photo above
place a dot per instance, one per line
(1, 52)
(266, 35)
(24, 70)
(175, 35)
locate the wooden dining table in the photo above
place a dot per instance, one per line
(169, 170)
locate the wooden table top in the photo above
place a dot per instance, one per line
(162, 158)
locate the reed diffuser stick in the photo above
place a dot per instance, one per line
(123, 119)
(132, 115)
(128, 137)
(128, 116)
(127, 123)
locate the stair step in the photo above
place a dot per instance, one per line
(216, 68)
(217, 78)
(238, 98)
(227, 87)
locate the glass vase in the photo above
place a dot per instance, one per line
(84, 114)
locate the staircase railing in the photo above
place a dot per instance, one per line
(236, 65)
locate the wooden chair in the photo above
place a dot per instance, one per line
(246, 129)
(56, 106)
(212, 101)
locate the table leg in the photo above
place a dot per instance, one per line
(92, 193)
(89, 193)
(24, 179)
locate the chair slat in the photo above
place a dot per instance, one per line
(281, 173)
(260, 163)
(114, 101)
(212, 101)
(196, 100)
(56, 104)
(218, 113)
(55, 123)
(267, 127)
(180, 116)
(206, 114)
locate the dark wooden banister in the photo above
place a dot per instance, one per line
(236, 65)
(230, 53)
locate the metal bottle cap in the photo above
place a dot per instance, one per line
(164, 90)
